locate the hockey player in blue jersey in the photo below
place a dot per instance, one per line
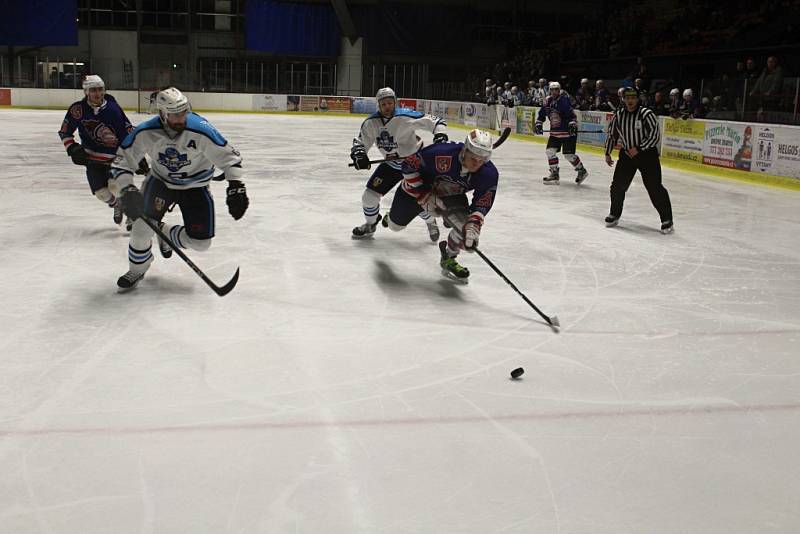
(394, 132)
(436, 180)
(102, 125)
(563, 134)
(184, 149)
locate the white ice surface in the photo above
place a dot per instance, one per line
(346, 387)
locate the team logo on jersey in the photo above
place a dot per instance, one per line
(191, 144)
(101, 133)
(377, 181)
(446, 187)
(443, 163)
(386, 142)
(76, 111)
(555, 120)
(159, 203)
(173, 160)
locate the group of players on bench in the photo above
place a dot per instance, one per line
(185, 150)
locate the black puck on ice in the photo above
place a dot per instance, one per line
(516, 373)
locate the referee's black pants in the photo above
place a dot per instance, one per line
(648, 163)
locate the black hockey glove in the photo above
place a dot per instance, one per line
(538, 128)
(237, 199)
(440, 138)
(144, 168)
(132, 202)
(78, 154)
(572, 129)
(360, 158)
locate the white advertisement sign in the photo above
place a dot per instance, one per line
(269, 102)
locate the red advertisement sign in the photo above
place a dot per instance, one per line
(408, 103)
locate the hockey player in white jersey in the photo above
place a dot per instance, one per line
(394, 132)
(185, 149)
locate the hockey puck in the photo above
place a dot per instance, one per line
(516, 373)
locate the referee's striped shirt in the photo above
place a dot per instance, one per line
(634, 129)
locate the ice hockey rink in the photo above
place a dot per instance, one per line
(347, 387)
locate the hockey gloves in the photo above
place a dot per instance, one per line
(440, 138)
(144, 168)
(472, 232)
(538, 128)
(237, 199)
(359, 156)
(132, 202)
(78, 154)
(572, 128)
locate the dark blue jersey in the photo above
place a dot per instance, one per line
(101, 129)
(559, 111)
(437, 169)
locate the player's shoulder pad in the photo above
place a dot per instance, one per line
(150, 124)
(489, 171)
(110, 98)
(196, 123)
(403, 112)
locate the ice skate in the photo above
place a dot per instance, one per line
(667, 227)
(450, 267)
(612, 220)
(118, 214)
(552, 179)
(129, 281)
(433, 230)
(365, 230)
(582, 175)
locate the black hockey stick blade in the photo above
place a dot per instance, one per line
(503, 136)
(221, 291)
(227, 288)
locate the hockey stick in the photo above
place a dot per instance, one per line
(552, 321)
(579, 131)
(221, 291)
(500, 140)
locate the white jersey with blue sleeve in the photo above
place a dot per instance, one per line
(185, 161)
(396, 136)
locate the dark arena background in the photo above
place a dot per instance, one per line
(307, 355)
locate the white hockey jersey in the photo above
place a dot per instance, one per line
(396, 137)
(185, 161)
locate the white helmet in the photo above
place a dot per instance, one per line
(675, 92)
(172, 101)
(687, 92)
(91, 81)
(386, 92)
(554, 86)
(479, 143)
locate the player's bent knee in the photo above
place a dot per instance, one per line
(104, 195)
(370, 197)
(394, 226)
(201, 245)
(551, 152)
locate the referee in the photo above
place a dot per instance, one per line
(636, 128)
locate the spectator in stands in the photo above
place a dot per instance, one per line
(687, 109)
(768, 87)
(531, 91)
(489, 90)
(751, 72)
(516, 96)
(507, 92)
(638, 84)
(674, 102)
(541, 93)
(602, 100)
(583, 96)
(659, 105)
